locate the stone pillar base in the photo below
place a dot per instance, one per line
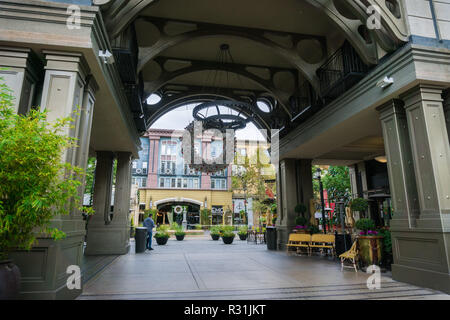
(283, 236)
(422, 258)
(421, 277)
(44, 268)
(108, 239)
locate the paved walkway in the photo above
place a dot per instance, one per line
(199, 268)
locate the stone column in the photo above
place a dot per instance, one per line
(446, 97)
(44, 269)
(421, 254)
(400, 165)
(21, 74)
(305, 185)
(97, 242)
(287, 195)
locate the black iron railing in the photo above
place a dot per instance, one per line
(340, 72)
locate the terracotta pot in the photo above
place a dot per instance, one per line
(9, 280)
(370, 249)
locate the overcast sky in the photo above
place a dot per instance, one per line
(182, 116)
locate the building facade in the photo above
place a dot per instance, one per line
(344, 82)
(166, 182)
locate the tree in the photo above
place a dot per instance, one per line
(35, 183)
(250, 177)
(337, 183)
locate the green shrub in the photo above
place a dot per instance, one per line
(215, 230)
(198, 227)
(359, 204)
(162, 232)
(300, 208)
(35, 184)
(227, 231)
(365, 224)
(301, 221)
(387, 241)
(243, 230)
(312, 229)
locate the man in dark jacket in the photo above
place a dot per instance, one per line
(149, 224)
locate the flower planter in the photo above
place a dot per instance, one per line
(161, 240)
(180, 238)
(9, 280)
(370, 249)
(243, 237)
(227, 240)
(215, 237)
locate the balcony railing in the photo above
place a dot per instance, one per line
(340, 72)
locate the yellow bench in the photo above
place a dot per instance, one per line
(298, 241)
(323, 241)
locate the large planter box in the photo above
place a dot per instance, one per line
(370, 249)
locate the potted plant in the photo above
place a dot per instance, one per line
(360, 205)
(43, 186)
(387, 247)
(227, 234)
(263, 221)
(132, 227)
(369, 241)
(300, 209)
(312, 229)
(300, 224)
(242, 233)
(215, 232)
(179, 234)
(162, 234)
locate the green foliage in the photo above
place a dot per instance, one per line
(242, 230)
(387, 240)
(198, 227)
(162, 231)
(337, 183)
(359, 204)
(301, 221)
(312, 229)
(35, 182)
(273, 208)
(227, 231)
(365, 224)
(205, 215)
(179, 230)
(215, 230)
(300, 209)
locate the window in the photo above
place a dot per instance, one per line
(196, 184)
(134, 164)
(185, 183)
(179, 183)
(168, 167)
(172, 185)
(161, 182)
(219, 184)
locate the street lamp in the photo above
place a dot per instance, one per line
(322, 202)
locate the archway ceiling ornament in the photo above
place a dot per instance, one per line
(119, 14)
(176, 95)
(190, 66)
(264, 37)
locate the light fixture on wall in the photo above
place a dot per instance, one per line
(385, 82)
(381, 159)
(106, 56)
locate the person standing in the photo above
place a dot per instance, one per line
(149, 224)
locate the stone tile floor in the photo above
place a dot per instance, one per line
(199, 268)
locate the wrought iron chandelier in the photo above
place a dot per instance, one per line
(220, 121)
